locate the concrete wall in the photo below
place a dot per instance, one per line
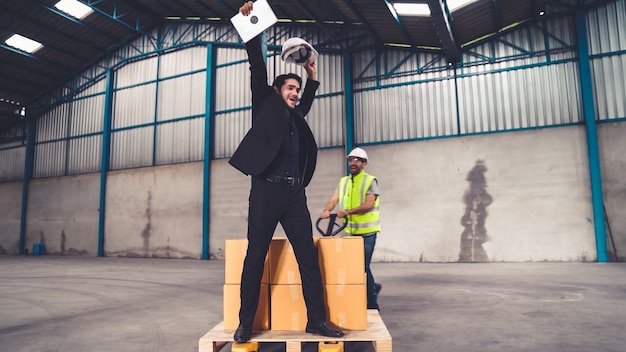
(63, 214)
(10, 214)
(519, 196)
(155, 212)
(612, 145)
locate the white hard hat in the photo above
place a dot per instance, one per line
(298, 51)
(359, 153)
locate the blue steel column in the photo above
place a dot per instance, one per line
(28, 175)
(349, 101)
(106, 156)
(586, 86)
(209, 112)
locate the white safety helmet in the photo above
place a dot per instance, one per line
(358, 153)
(298, 51)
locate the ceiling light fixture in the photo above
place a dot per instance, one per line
(411, 9)
(457, 4)
(25, 44)
(74, 8)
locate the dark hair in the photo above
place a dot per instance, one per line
(280, 80)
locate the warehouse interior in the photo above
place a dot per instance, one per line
(495, 129)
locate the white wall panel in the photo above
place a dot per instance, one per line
(405, 112)
(87, 115)
(12, 161)
(134, 106)
(53, 125)
(232, 82)
(183, 61)
(136, 72)
(182, 96)
(326, 120)
(50, 159)
(84, 155)
(230, 128)
(180, 141)
(606, 26)
(609, 74)
(132, 148)
(539, 96)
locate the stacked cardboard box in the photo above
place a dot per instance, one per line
(235, 253)
(341, 261)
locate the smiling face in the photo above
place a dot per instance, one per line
(289, 92)
(356, 165)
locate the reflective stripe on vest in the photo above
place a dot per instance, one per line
(352, 193)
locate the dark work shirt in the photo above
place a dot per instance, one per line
(286, 161)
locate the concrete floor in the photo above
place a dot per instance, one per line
(51, 303)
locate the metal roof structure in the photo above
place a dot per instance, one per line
(70, 45)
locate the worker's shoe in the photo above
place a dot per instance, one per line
(323, 329)
(243, 333)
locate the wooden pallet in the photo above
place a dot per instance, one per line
(377, 333)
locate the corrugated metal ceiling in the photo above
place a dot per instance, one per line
(71, 45)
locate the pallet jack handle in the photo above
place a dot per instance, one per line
(332, 223)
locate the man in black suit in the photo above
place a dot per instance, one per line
(280, 153)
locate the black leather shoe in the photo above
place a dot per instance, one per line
(323, 329)
(243, 333)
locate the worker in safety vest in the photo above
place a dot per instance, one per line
(357, 195)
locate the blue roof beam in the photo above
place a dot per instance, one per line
(441, 18)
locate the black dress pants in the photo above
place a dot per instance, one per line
(270, 204)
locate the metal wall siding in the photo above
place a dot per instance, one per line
(182, 61)
(84, 155)
(180, 141)
(87, 115)
(136, 72)
(609, 75)
(182, 96)
(97, 87)
(50, 159)
(326, 120)
(53, 125)
(232, 86)
(12, 161)
(230, 128)
(132, 148)
(538, 96)
(560, 33)
(606, 28)
(405, 112)
(134, 106)
(607, 34)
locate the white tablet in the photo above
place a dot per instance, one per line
(260, 18)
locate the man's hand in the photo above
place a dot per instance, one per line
(246, 8)
(311, 69)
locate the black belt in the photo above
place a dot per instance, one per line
(283, 180)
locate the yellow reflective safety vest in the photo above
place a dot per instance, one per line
(352, 192)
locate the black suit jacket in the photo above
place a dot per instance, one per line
(270, 118)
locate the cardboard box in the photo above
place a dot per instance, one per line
(235, 253)
(342, 260)
(232, 302)
(346, 306)
(283, 264)
(288, 310)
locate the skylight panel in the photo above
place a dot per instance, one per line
(457, 4)
(74, 8)
(22, 43)
(411, 9)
